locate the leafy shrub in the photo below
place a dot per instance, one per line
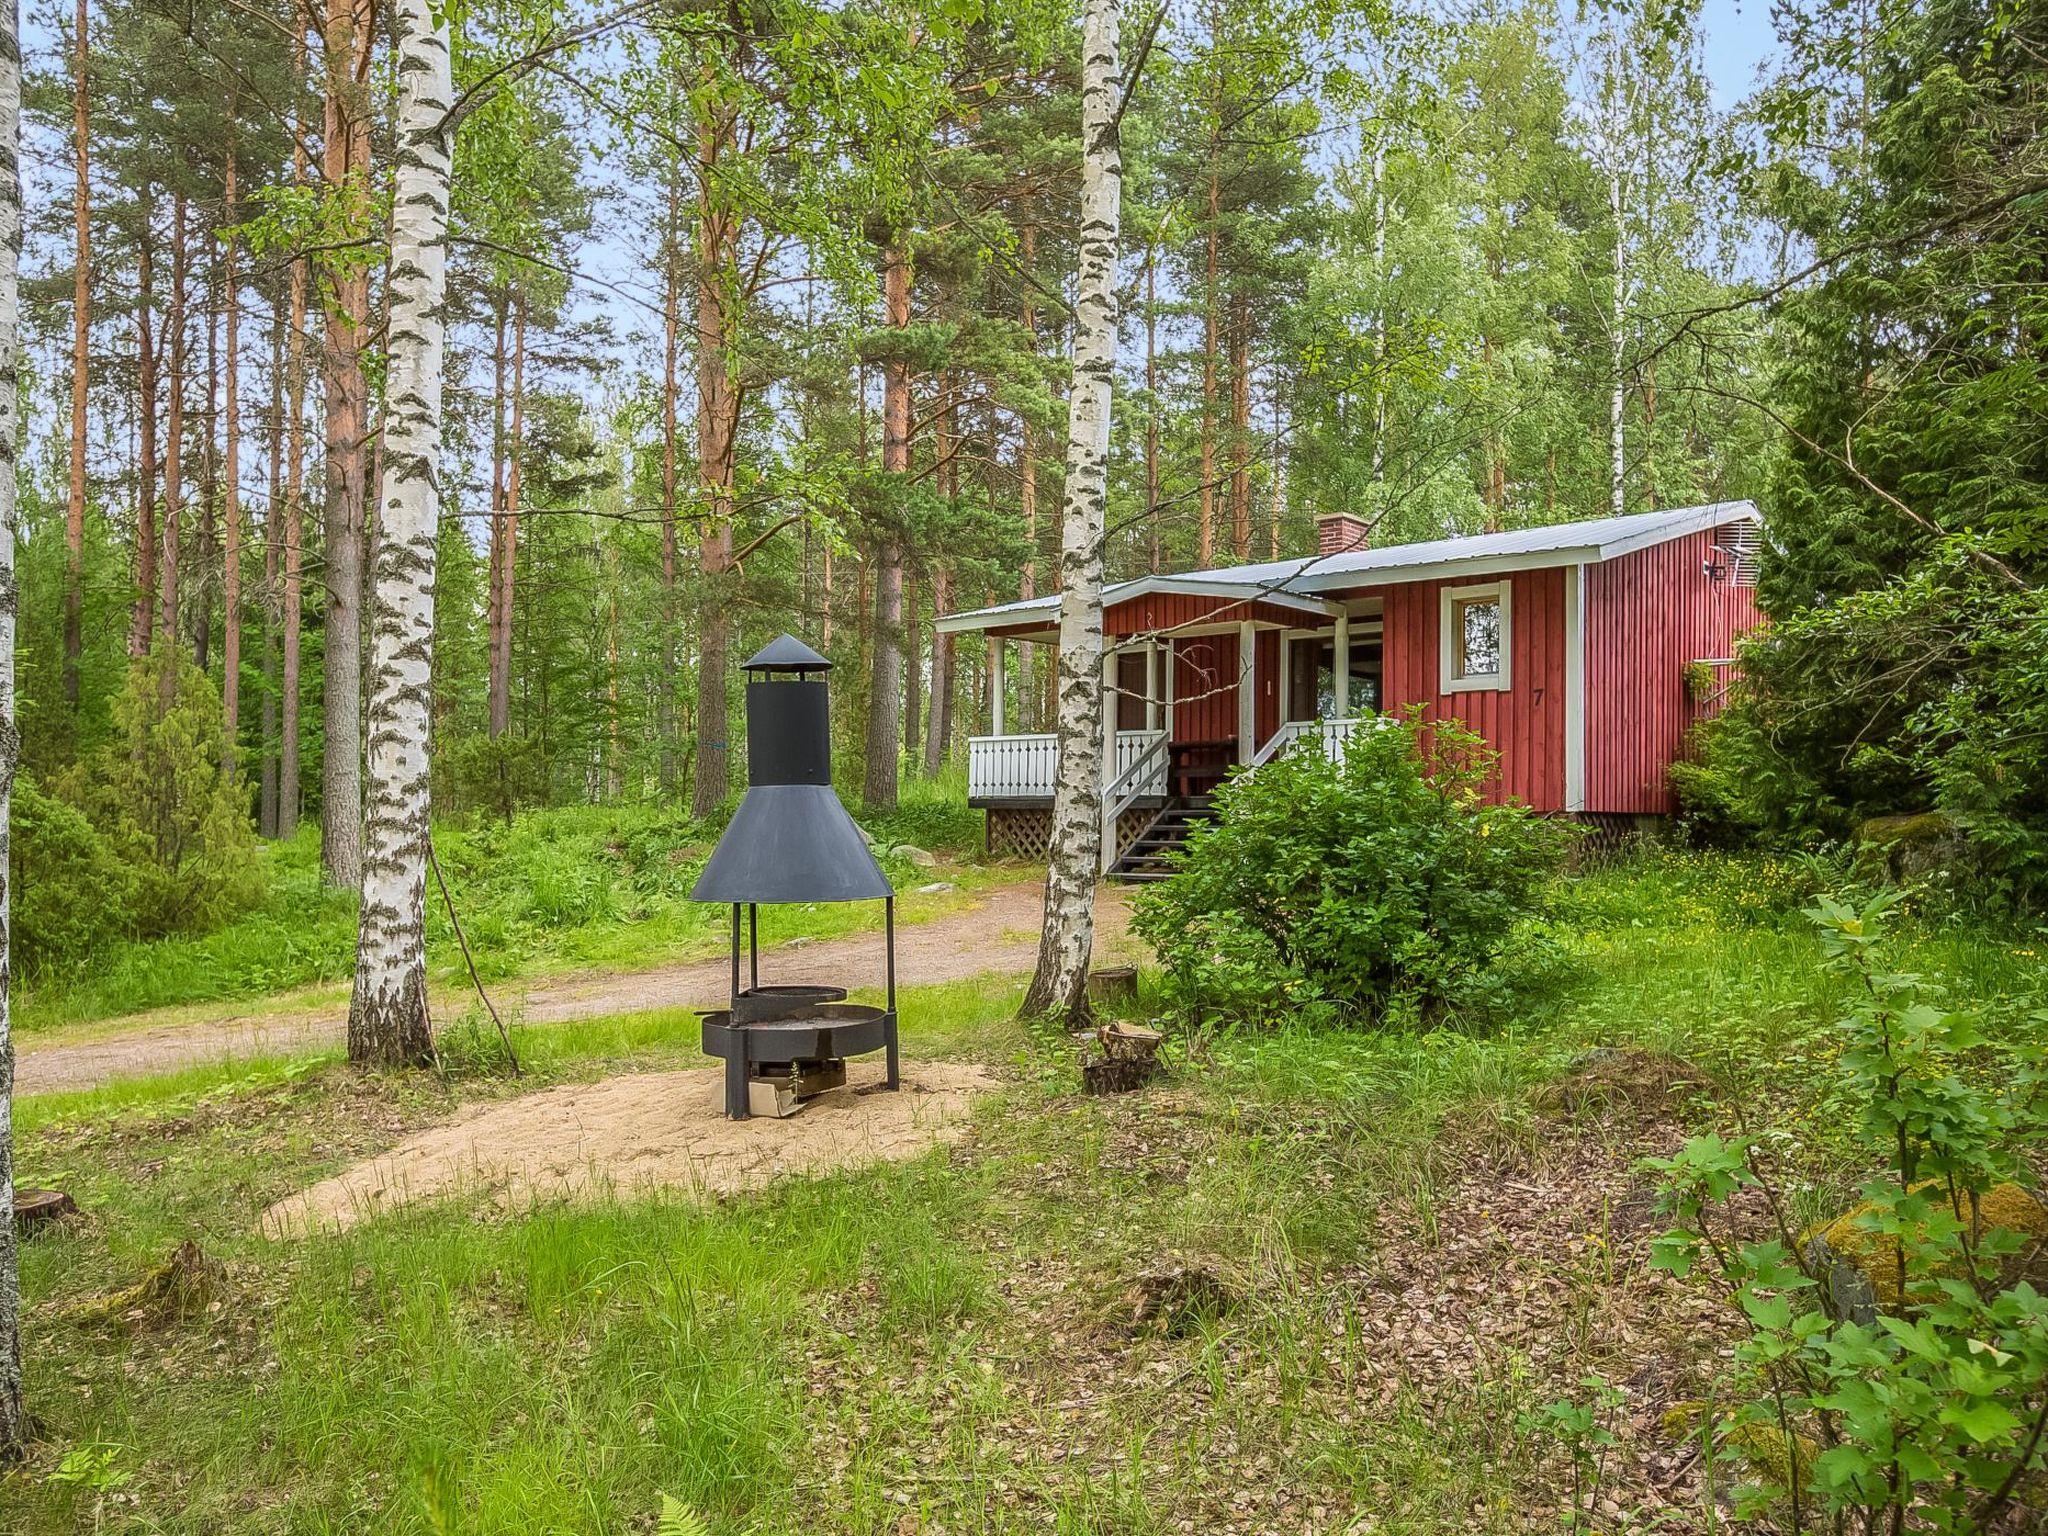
(71, 894)
(1913, 1398)
(1384, 880)
(930, 813)
(1927, 693)
(160, 795)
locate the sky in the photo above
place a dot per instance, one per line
(1738, 38)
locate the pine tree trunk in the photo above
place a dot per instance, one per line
(169, 574)
(718, 407)
(506, 562)
(938, 733)
(143, 622)
(1152, 405)
(913, 669)
(345, 165)
(387, 1021)
(885, 692)
(273, 549)
(81, 362)
(231, 497)
(1059, 989)
(1240, 430)
(1209, 338)
(13, 1416)
(293, 510)
(671, 608)
(209, 488)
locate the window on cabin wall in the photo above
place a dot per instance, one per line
(1476, 638)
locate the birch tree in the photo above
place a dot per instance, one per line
(388, 1014)
(12, 1415)
(1060, 987)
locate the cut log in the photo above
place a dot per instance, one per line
(34, 1208)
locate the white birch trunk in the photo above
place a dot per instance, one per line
(388, 1014)
(1060, 988)
(1617, 400)
(12, 1415)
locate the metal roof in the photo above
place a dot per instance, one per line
(1299, 581)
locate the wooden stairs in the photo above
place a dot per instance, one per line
(1148, 857)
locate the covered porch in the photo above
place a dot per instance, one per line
(1195, 682)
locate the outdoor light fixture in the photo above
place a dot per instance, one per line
(792, 841)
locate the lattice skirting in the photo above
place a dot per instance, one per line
(1025, 832)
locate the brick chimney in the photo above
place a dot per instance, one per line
(1339, 533)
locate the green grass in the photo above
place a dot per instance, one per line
(937, 1345)
(578, 887)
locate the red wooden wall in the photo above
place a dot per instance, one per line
(1205, 686)
(1524, 724)
(1648, 615)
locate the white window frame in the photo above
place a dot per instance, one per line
(1449, 638)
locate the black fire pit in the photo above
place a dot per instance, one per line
(791, 841)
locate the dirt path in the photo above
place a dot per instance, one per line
(998, 935)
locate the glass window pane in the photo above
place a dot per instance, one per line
(1479, 633)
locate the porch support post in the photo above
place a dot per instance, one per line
(1247, 691)
(1341, 668)
(995, 685)
(1169, 690)
(1286, 676)
(1112, 707)
(1151, 685)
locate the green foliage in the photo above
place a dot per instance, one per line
(70, 892)
(1926, 1408)
(1380, 881)
(1909, 517)
(1927, 692)
(160, 797)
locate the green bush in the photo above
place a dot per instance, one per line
(161, 797)
(1383, 881)
(1893, 1368)
(71, 894)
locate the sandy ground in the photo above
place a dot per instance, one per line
(639, 1132)
(998, 935)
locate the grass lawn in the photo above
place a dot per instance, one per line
(1310, 1282)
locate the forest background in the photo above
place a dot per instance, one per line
(737, 349)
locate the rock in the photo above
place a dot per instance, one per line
(922, 858)
(1860, 1267)
(936, 888)
(1911, 847)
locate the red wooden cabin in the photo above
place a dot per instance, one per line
(1574, 649)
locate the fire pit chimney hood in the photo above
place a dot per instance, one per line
(791, 841)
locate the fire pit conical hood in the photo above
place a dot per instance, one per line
(791, 839)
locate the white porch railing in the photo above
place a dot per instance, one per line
(1333, 735)
(1144, 775)
(1024, 767)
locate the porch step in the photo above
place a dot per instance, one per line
(1149, 856)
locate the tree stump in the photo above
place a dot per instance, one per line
(34, 1208)
(1113, 984)
(1129, 1059)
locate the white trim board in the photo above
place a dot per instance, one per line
(1448, 598)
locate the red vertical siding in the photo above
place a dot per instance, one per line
(1648, 615)
(1524, 723)
(1205, 688)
